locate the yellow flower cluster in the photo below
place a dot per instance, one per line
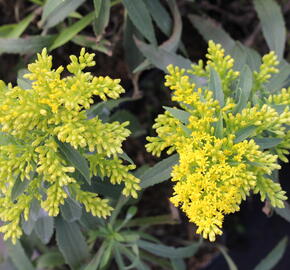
(222, 64)
(34, 122)
(268, 67)
(220, 161)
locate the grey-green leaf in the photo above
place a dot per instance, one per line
(181, 115)
(76, 159)
(160, 15)
(141, 18)
(274, 256)
(22, 82)
(159, 172)
(18, 188)
(212, 31)
(51, 259)
(16, 30)
(273, 25)
(216, 86)
(69, 32)
(71, 243)
(230, 262)
(102, 15)
(169, 252)
(245, 133)
(55, 11)
(244, 86)
(162, 58)
(267, 143)
(30, 44)
(71, 210)
(44, 228)
(18, 256)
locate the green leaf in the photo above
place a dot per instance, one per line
(103, 45)
(51, 259)
(244, 133)
(124, 156)
(211, 31)
(280, 79)
(102, 15)
(134, 124)
(16, 30)
(162, 58)
(18, 188)
(71, 210)
(169, 252)
(267, 143)
(216, 86)
(273, 25)
(150, 221)
(44, 228)
(230, 262)
(30, 44)
(178, 264)
(71, 243)
(106, 188)
(160, 16)
(103, 109)
(244, 86)
(139, 15)
(76, 159)
(159, 173)
(18, 256)
(55, 11)
(274, 256)
(132, 54)
(181, 115)
(69, 32)
(95, 262)
(24, 83)
(218, 126)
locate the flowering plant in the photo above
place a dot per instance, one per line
(50, 148)
(229, 134)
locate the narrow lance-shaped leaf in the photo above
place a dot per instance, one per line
(55, 11)
(169, 252)
(181, 115)
(44, 228)
(159, 15)
(71, 210)
(76, 159)
(68, 33)
(211, 31)
(244, 87)
(216, 86)
(162, 58)
(158, 173)
(51, 259)
(102, 15)
(18, 256)
(273, 257)
(15, 30)
(273, 25)
(244, 133)
(71, 243)
(30, 44)
(141, 18)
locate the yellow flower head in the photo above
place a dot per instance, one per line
(221, 149)
(43, 127)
